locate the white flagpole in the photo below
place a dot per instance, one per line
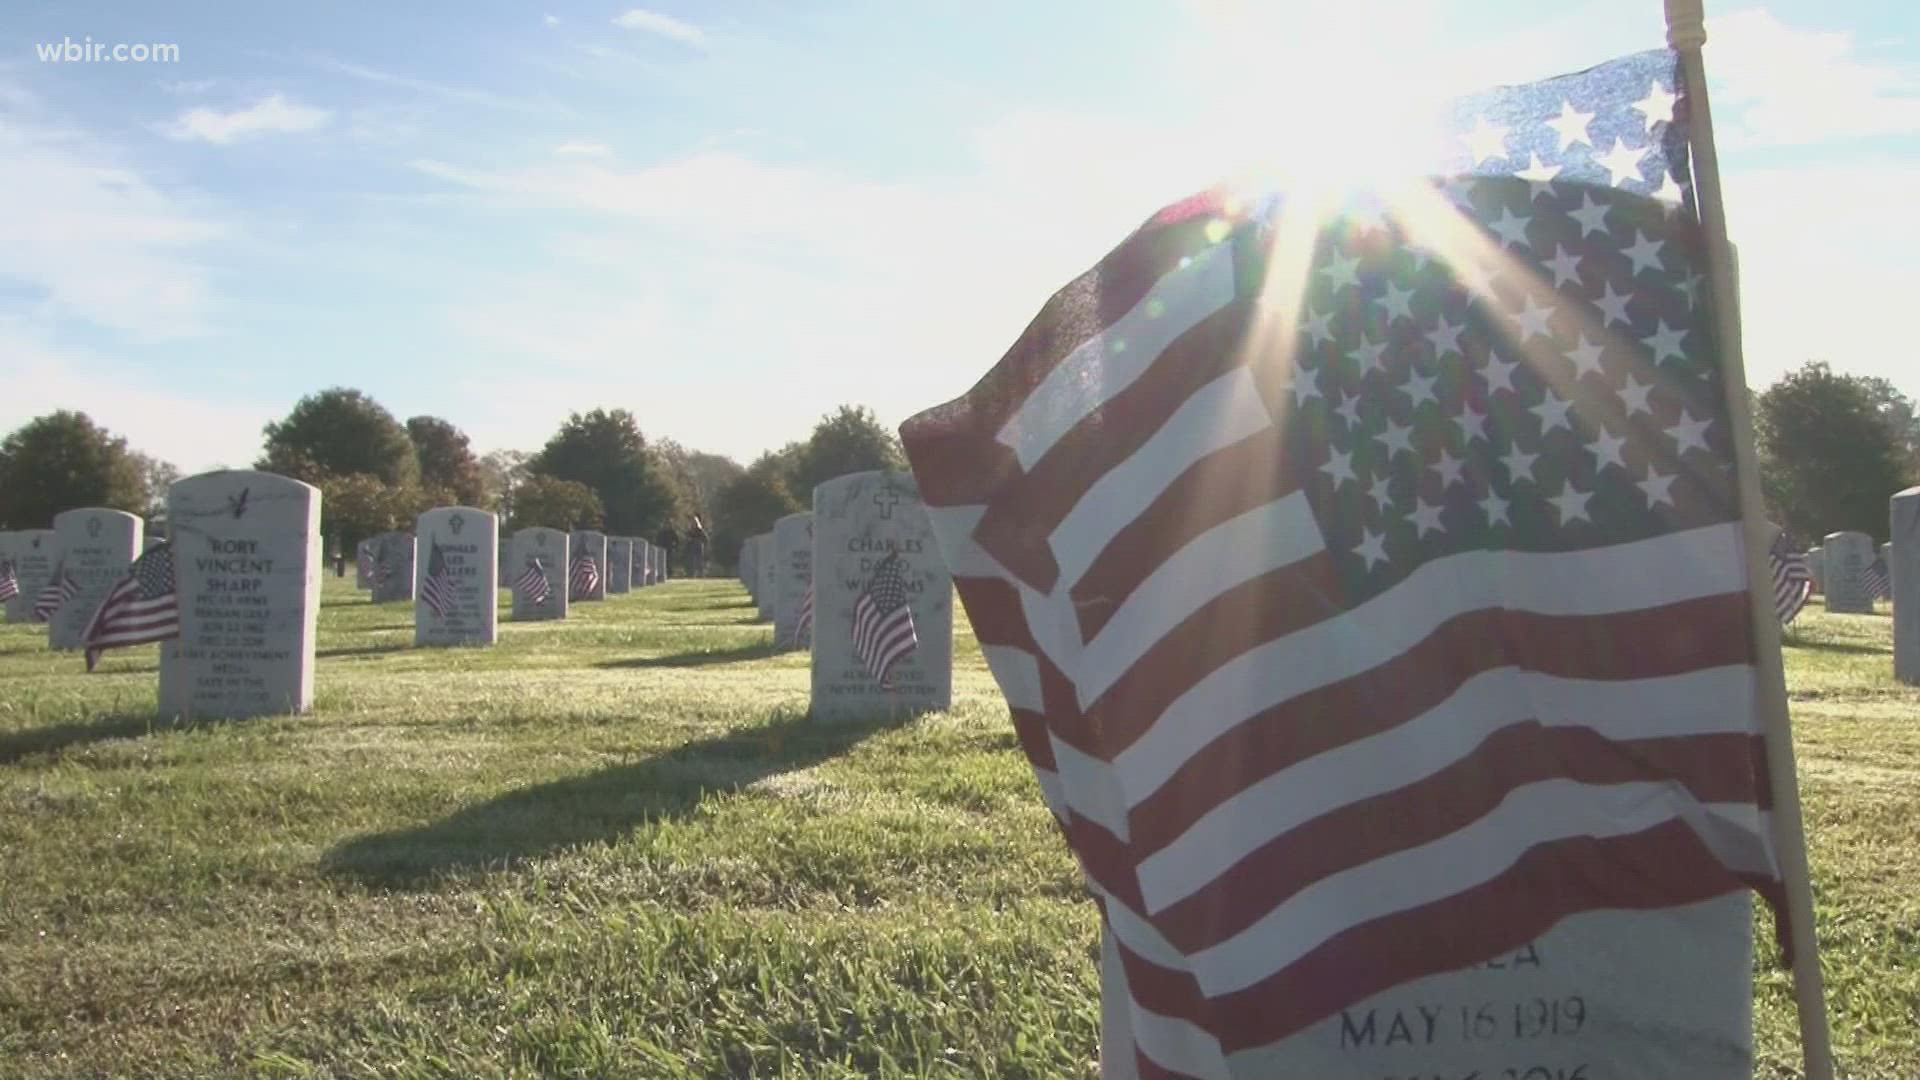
(1686, 33)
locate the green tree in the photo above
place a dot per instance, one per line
(339, 432)
(605, 451)
(1828, 457)
(503, 471)
(156, 477)
(360, 505)
(1902, 420)
(700, 475)
(849, 439)
(63, 461)
(446, 461)
(750, 504)
(553, 503)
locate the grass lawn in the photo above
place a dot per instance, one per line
(613, 846)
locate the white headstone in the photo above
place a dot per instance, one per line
(643, 562)
(460, 548)
(1903, 563)
(793, 575)
(33, 556)
(1817, 568)
(544, 550)
(748, 567)
(872, 539)
(620, 564)
(393, 559)
(763, 599)
(247, 567)
(590, 544)
(1847, 556)
(94, 548)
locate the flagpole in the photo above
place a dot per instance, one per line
(1686, 33)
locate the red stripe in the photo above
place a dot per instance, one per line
(1031, 729)
(1710, 768)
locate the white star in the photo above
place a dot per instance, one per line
(1532, 320)
(1519, 464)
(1305, 387)
(1657, 488)
(1499, 373)
(1622, 162)
(1671, 195)
(1572, 125)
(1474, 277)
(1645, 252)
(1565, 266)
(1473, 423)
(1396, 301)
(1689, 432)
(1495, 508)
(1571, 503)
(1605, 449)
(1586, 358)
(1317, 326)
(1339, 467)
(1420, 255)
(1368, 354)
(1613, 307)
(1665, 342)
(1459, 191)
(1342, 272)
(1657, 106)
(1379, 494)
(1373, 547)
(1397, 438)
(1539, 177)
(1512, 228)
(1592, 216)
(1419, 387)
(1691, 287)
(1426, 518)
(1635, 396)
(1448, 467)
(1349, 409)
(1552, 412)
(1446, 339)
(1486, 141)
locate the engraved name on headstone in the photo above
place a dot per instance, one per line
(94, 548)
(34, 551)
(883, 600)
(793, 574)
(247, 570)
(455, 599)
(538, 574)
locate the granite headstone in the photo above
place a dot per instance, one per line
(393, 560)
(94, 547)
(793, 575)
(1847, 556)
(461, 563)
(33, 557)
(1817, 568)
(544, 551)
(763, 600)
(620, 564)
(590, 544)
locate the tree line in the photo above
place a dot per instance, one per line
(377, 474)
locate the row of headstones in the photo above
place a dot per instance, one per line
(842, 579)
(1838, 566)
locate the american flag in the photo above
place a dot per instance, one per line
(382, 568)
(364, 554)
(803, 622)
(436, 589)
(532, 583)
(1792, 580)
(1370, 592)
(1875, 580)
(9, 580)
(59, 589)
(584, 577)
(883, 633)
(140, 608)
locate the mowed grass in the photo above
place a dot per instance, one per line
(614, 846)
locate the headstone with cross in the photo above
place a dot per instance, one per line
(537, 574)
(455, 599)
(32, 553)
(95, 546)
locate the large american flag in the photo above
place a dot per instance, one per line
(532, 583)
(9, 580)
(1370, 594)
(59, 589)
(584, 578)
(1792, 580)
(883, 632)
(140, 608)
(436, 589)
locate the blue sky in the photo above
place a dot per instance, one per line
(731, 217)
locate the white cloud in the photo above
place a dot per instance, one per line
(584, 149)
(666, 26)
(461, 94)
(1782, 85)
(551, 20)
(187, 87)
(273, 114)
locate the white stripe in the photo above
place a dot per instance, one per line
(1110, 361)
(1018, 674)
(1051, 791)
(1530, 816)
(1714, 701)
(1175, 1044)
(1625, 577)
(1216, 416)
(1090, 788)
(1263, 539)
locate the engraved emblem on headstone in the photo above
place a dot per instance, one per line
(237, 504)
(456, 523)
(93, 527)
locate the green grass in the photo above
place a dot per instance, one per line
(614, 847)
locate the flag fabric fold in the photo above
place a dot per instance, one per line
(1792, 579)
(583, 577)
(436, 588)
(59, 589)
(532, 583)
(803, 622)
(1367, 581)
(141, 607)
(9, 580)
(1876, 581)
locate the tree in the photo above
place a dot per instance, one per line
(750, 504)
(446, 460)
(1828, 457)
(339, 432)
(1897, 410)
(64, 461)
(503, 471)
(360, 505)
(849, 439)
(605, 451)
(156, 477)
(553, 503)
(700, 475)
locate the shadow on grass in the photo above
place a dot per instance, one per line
(17, 745)
(364, 650)
(604, 805)
(759, 650)
(1844, 647)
